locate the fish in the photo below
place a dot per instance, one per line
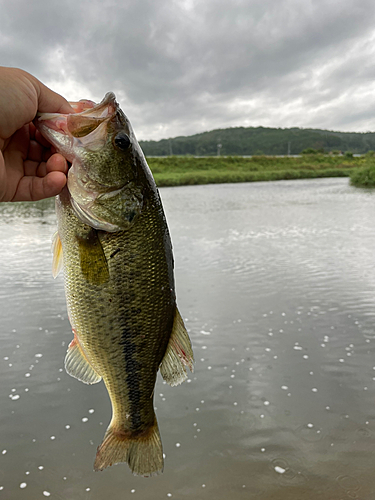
(114, 247)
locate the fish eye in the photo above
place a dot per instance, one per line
(122, 141)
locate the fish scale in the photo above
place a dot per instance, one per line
(115, 249)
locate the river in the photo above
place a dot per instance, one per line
(276, 282)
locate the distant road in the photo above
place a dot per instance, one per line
(244, 156)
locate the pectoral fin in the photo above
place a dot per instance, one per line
(57, 261)
(178, 355)
(77, 364)
(93, 262)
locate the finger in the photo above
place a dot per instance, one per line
(24, 95)
(57, 163)
(49, 101)
(32, 130)
(38, 188)
(39, 156)
(36, 152)
(18, 144)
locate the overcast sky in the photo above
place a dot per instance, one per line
(179, 67)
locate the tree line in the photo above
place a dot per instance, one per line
(243, 141)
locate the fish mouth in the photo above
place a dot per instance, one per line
(86, 129)
(87, 117)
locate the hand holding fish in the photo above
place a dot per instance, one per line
(28, 168)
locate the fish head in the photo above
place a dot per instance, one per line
(105, 178)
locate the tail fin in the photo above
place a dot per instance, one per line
(142, 452)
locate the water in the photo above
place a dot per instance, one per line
(277, 285)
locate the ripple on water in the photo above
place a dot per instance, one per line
(288, 471)
(310, 433)
(349, 484)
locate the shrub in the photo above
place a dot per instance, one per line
(310, 151)
(363, 177)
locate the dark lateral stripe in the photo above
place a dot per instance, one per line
(114, 253)
(133, 381)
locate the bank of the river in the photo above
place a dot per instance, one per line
(364, 176)
(185, 170)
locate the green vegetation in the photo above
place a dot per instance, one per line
(312, 151)
(257, 140)
(365, 176)
(185, 170)
(196, 160)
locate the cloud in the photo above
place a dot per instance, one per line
(184, 66)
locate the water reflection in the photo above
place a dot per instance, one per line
(277, 283)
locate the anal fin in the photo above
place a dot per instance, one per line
(77, 364)
(178, 355)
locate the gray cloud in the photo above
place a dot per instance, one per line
(183, 66)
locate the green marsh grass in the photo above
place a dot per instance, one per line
(188, 170)
(364, 176)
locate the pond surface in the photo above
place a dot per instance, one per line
(277, 284)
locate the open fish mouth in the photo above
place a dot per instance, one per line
(76, 135)
(88, 115)
(85, 129)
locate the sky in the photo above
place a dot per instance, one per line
(180, 67)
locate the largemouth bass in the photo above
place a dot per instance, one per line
(114, 246)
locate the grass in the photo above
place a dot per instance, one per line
(365, 176)
(188, 170)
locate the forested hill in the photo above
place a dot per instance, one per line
(260, 140)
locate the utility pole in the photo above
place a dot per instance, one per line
(289, 144)
(170, 148)
(219, 146)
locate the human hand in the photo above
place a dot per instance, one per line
(29, 168)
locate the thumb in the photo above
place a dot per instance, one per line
(48, 100)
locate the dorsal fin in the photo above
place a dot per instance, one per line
(178, 355)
